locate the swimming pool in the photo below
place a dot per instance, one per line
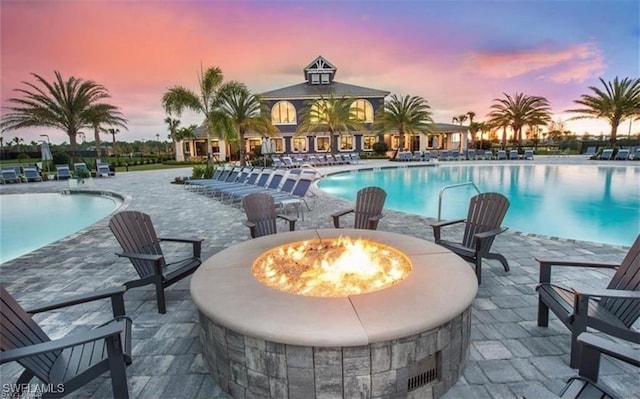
(31, 221)
(582, 202)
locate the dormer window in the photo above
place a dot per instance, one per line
(320, 71)
(325, 78)
(315, 78)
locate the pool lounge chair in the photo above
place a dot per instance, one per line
(612, 310)
(502, 155)
(70, 362)
(63, 172)
(622, 155)
(31, 174)
(591, 151)
(482, 225)
(102, 170)
(528, 154)
(513, 154)
(606, 155)
(10, 176)
(488, 154)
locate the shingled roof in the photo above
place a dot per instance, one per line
(308, 91)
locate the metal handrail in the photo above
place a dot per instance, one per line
(442, 190)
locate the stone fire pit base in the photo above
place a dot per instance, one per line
(430, 362)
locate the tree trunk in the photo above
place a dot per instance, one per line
(96, 136)
(243, 161)
(74, 146)
(614, 133)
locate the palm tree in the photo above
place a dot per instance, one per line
(104, 114)
(408, 115)
(239, 111)
(61, 105)
(459, 119)
(518, 111)
(331, 115)
(179, 98)
(471, 116)
(173, 128)
(620, 100)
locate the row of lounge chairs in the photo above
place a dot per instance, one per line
(623, 154)
(13, 174)
(232, 184)
(299, 160)
(457, 155)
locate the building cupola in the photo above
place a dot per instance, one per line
(319, 72)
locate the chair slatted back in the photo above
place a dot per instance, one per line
(275, 180)
(486, 212)
(261, 210)
(302, 186)
(18, 330)
(627, 277)
(135, 233)
(369, 202)
(263, 179)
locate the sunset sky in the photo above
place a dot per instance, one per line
(458, 55)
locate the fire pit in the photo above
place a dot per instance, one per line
(410, 338)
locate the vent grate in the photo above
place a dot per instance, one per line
(423, 372)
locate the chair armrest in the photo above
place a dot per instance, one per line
(373, 220)
(607, 293)
(292, 221)
(436, 227)
(491, 233)
(252, 228)
(113, 329)
(131, 255)
(617, 350)
(116, 294)
(196, 241)
(545, 266)
(336, 217)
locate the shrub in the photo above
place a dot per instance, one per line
(380, 148)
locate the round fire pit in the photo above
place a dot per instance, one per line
(411, 338)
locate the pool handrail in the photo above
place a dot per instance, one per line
(443, 189)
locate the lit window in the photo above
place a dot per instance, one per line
(315, 78)
(368, 142)
(253, 143)
(283, 113)
(299, 144)
(395, 142)
(346, 143)
(323, 144)
(318, 111)
(277, 144)
(363, 110)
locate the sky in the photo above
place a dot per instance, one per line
(458, 55)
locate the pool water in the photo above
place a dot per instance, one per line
(582, 202)
(31, 221)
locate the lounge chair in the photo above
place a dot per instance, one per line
(62, 172)
(355, 157)
(70, 362)
(31, 174)
(261, 215)
(585, 385)
(513, 154)
(591, 151)
(528, 154)
(102, 170)
(445, 155)
(80, 166)
(607, 153)
(471, 155)
(636, 154)
(368, 209)
(272, 186)
(482, 225)
(502, 155)
(10, 176)
(488, 154)
(297, 194)
(622, 155)
(137, 237)
(612, 310)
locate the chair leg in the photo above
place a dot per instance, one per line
(479, 269)
(543, 313)
(117, 369)
(162, 307)
(574, 361)
(499, 258)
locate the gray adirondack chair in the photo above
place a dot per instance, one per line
(368, 210)
(137, 237)
(612, 310)
(261, 214)
(71, 361)
(482, 225)
(585, 385)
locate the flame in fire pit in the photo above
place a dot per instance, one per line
(331, 268)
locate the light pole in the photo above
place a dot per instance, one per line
(47, 136)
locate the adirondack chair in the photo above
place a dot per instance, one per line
(612, 310)
(482, 225)
(68, 363)
(368, 210)
(585, 385)
(261, 214)
(137, 237)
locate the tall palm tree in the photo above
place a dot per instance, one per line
(173, 125)
(179, 98)
(518, 111)
(239, 111)
(333, 115)
(459, 119)
(408, 115)
(471, 116)
(103, 114)
(63, 105)
(618, 101)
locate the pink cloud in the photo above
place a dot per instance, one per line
(577, 63)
